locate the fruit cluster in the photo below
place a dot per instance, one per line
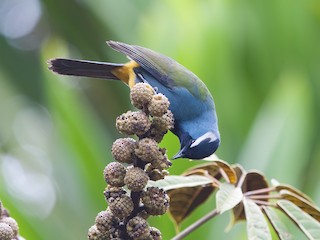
(130, 201)
(8, 226)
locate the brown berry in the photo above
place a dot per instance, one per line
(147, 150)
(143, 214)
(156, 134)
(105, 222)
(95, 234)
(162, 162)
(163, 123)
(6, 232)
(156, 175)
(133, 123)
(159, 105)
(136, 179)
(141, 94)
(138, 228)
(12, 223)
(155, 200)
(122, 206)
(114, 174)
(113, 192)
(155, 233)
(122, 149)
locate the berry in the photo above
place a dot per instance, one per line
(156, 175)
(133, 123)
(155, 233)
(6, 232)
(138, 228)
(147, 150)
(143, 214)
(156, 134)
(136, 179)
(162, 162)
(122, 206)
(159, 105)
(114, 174)
(155, 200)
(122, 149)
(105, 222)
(12, 223)
(141, 94)
(113, 192)
(163, 123)
(95, 234)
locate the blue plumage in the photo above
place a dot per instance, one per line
(190, 101)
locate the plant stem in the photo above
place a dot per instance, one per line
(259, 191)
(195, 225)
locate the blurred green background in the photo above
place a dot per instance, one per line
(260, 59)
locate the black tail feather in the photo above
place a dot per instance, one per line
(83, 68)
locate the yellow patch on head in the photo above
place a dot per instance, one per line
(126, 74)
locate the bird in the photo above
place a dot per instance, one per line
(191, 103)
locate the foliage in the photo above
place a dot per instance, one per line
(249, 198)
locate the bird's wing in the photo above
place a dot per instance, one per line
(155, 63)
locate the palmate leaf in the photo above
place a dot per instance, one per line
(257, 226)
(292, 189)
(253, 180)
(309, 225)
(183, 201)
(302, 203)
(276, 223)
(185, 192)
(228, 197)
(174, 182)
(215, 169)
(186, 198)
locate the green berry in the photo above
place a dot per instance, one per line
(122, 206)
(114, 174)
(159, 105)
(141, 94)
(155, 200)
(138, 228)
(122, 149)
(136, 179)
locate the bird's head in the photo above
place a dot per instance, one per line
(198, 148)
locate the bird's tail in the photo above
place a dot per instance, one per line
(83, 68)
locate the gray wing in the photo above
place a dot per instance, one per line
(156, 64)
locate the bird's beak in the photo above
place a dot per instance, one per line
(179, 154)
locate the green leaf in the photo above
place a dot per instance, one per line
(305, 222)
(276, 223)
(302, 203)
(257, 225)
(173, 182)
(228, 197)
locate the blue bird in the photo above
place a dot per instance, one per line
(191, 103)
